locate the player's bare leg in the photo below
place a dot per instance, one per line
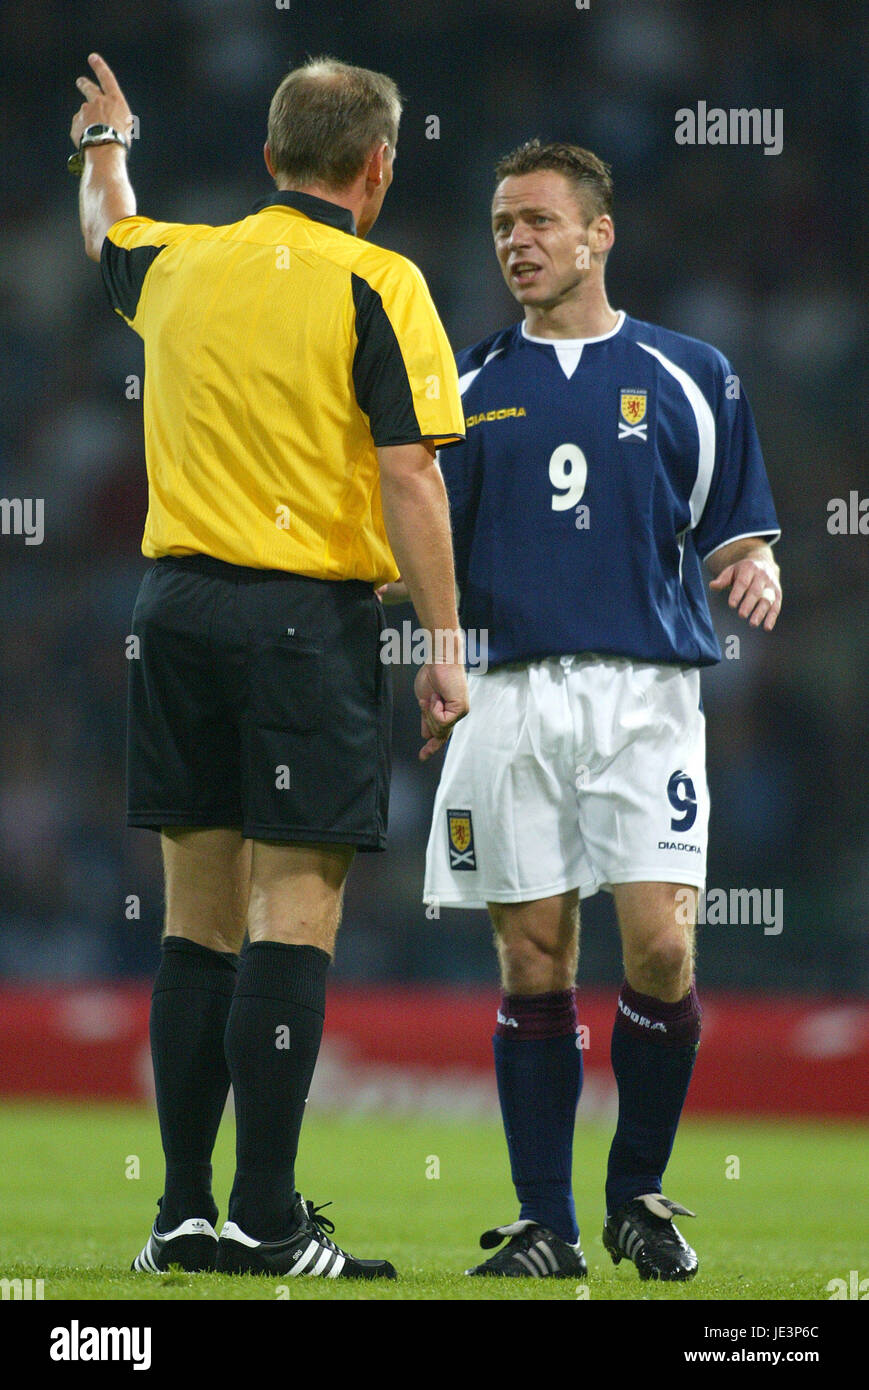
(654, 1044)
(538, 1066)
(537, 943)
(206, 874)
(657, 937)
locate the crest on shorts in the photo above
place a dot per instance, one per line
(460, 837)
(632, 412)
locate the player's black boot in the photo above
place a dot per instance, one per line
(643, 1231)
(531, 1250)
(307, 1250)
(192, 1245)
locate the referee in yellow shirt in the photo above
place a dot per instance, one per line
(298, 382)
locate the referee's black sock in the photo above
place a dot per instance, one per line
(189, 1007)
(272, 1041)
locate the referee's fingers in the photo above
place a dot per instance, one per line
(107, 79)
(435, 735)
(429, 749)
(433, 722)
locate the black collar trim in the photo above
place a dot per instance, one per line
(320, 209)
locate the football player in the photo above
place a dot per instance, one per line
(607, 461)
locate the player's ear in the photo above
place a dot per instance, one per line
(267, 156)
(601, 234)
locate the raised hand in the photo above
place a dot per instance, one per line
(104, 104)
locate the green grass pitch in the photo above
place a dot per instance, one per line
(79, 1183)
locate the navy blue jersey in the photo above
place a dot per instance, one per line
(595, 477)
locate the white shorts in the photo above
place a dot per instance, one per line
(573, 772)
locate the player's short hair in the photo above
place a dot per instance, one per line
(326, 117)
(591, 178)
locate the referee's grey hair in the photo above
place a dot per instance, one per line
(325, 119)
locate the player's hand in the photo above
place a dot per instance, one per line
(442, 693)
(755, 591)
(104, 103)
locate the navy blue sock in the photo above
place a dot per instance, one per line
(654, 1045)
(272, 1041)
(189, 1007)
(538, 1066)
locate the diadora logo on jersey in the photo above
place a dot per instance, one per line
(460, 836)
(632, 409)
(509, 412)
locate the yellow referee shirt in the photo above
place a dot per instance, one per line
(280, 351)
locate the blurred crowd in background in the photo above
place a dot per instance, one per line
(757, 254)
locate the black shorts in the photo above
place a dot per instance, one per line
(258, 699)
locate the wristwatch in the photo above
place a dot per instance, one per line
(94, 135)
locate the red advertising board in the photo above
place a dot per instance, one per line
(424, 1049)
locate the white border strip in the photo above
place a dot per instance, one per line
(705, 429)
(770, 537)
(466, 380)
